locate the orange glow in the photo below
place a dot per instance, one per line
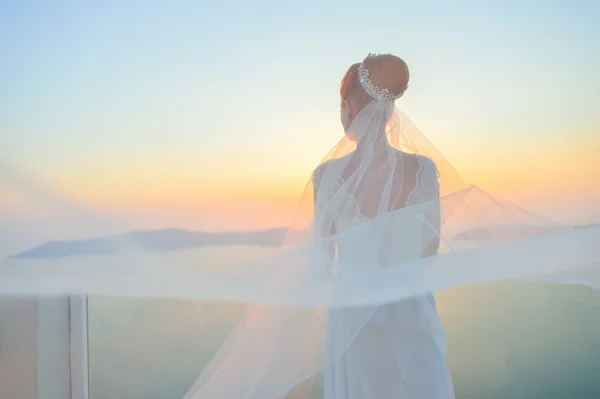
(562, 168)
(190, 195)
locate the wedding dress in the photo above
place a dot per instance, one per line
(400, 352)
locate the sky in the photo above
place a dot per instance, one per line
(203, 114)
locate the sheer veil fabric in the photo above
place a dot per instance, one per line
(384, 222)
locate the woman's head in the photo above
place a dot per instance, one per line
(386, 71)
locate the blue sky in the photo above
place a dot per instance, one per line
(125, 90)
(98, 72)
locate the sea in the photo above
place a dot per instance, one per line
(508, 339)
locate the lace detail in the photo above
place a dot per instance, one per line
(427, 187)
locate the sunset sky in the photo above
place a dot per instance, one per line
(202, 114)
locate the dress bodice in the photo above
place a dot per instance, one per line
(398, 236)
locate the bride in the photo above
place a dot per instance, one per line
(376, 204)
(399, 352)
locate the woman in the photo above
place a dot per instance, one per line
(398, 350)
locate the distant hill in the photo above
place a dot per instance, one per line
(155, 240)
(514, 232)
(178, 239)
(507, 232)
(587, 226)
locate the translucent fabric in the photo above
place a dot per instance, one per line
(384, 222)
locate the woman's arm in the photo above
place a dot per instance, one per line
(427, 190)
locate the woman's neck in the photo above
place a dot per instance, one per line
(377, 143)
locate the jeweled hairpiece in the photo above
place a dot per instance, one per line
(372, 90)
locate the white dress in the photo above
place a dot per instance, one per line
(399, 353)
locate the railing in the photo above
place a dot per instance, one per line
(79, 348)
(44, 351)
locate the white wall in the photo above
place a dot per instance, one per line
(18, 348)
(43, 348)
